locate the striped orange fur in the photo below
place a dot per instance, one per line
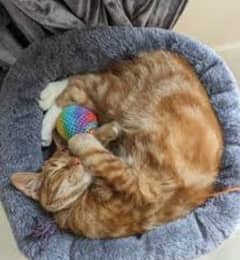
(154, 159)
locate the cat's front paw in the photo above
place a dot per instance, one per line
(50, 94)
(82, 143)
(107, 132)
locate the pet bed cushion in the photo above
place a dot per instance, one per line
(20, 146)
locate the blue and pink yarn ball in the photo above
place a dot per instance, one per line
(74, 120)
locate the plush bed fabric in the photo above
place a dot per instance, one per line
(20, 149)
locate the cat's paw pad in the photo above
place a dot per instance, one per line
(50, 94)
(116, 129)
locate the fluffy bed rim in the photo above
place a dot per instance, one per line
(20, 149)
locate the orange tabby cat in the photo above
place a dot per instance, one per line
(168, 145)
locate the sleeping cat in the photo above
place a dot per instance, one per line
(168, 145)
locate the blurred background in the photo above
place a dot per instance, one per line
(215, 23)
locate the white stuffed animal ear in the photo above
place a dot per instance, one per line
(47, 103)
(48, 124)
(28, 183)
(49, 95)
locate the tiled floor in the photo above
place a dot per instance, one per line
(230, 250)
(8, 248)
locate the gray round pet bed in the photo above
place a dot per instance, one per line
(20, 145)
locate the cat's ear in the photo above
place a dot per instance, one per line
(28, 183)
(59, 142)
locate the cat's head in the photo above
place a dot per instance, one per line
(60, 183)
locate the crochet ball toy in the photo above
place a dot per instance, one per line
(74, 120)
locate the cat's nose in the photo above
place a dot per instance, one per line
(75, 161)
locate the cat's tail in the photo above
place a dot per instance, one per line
(225, 191)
